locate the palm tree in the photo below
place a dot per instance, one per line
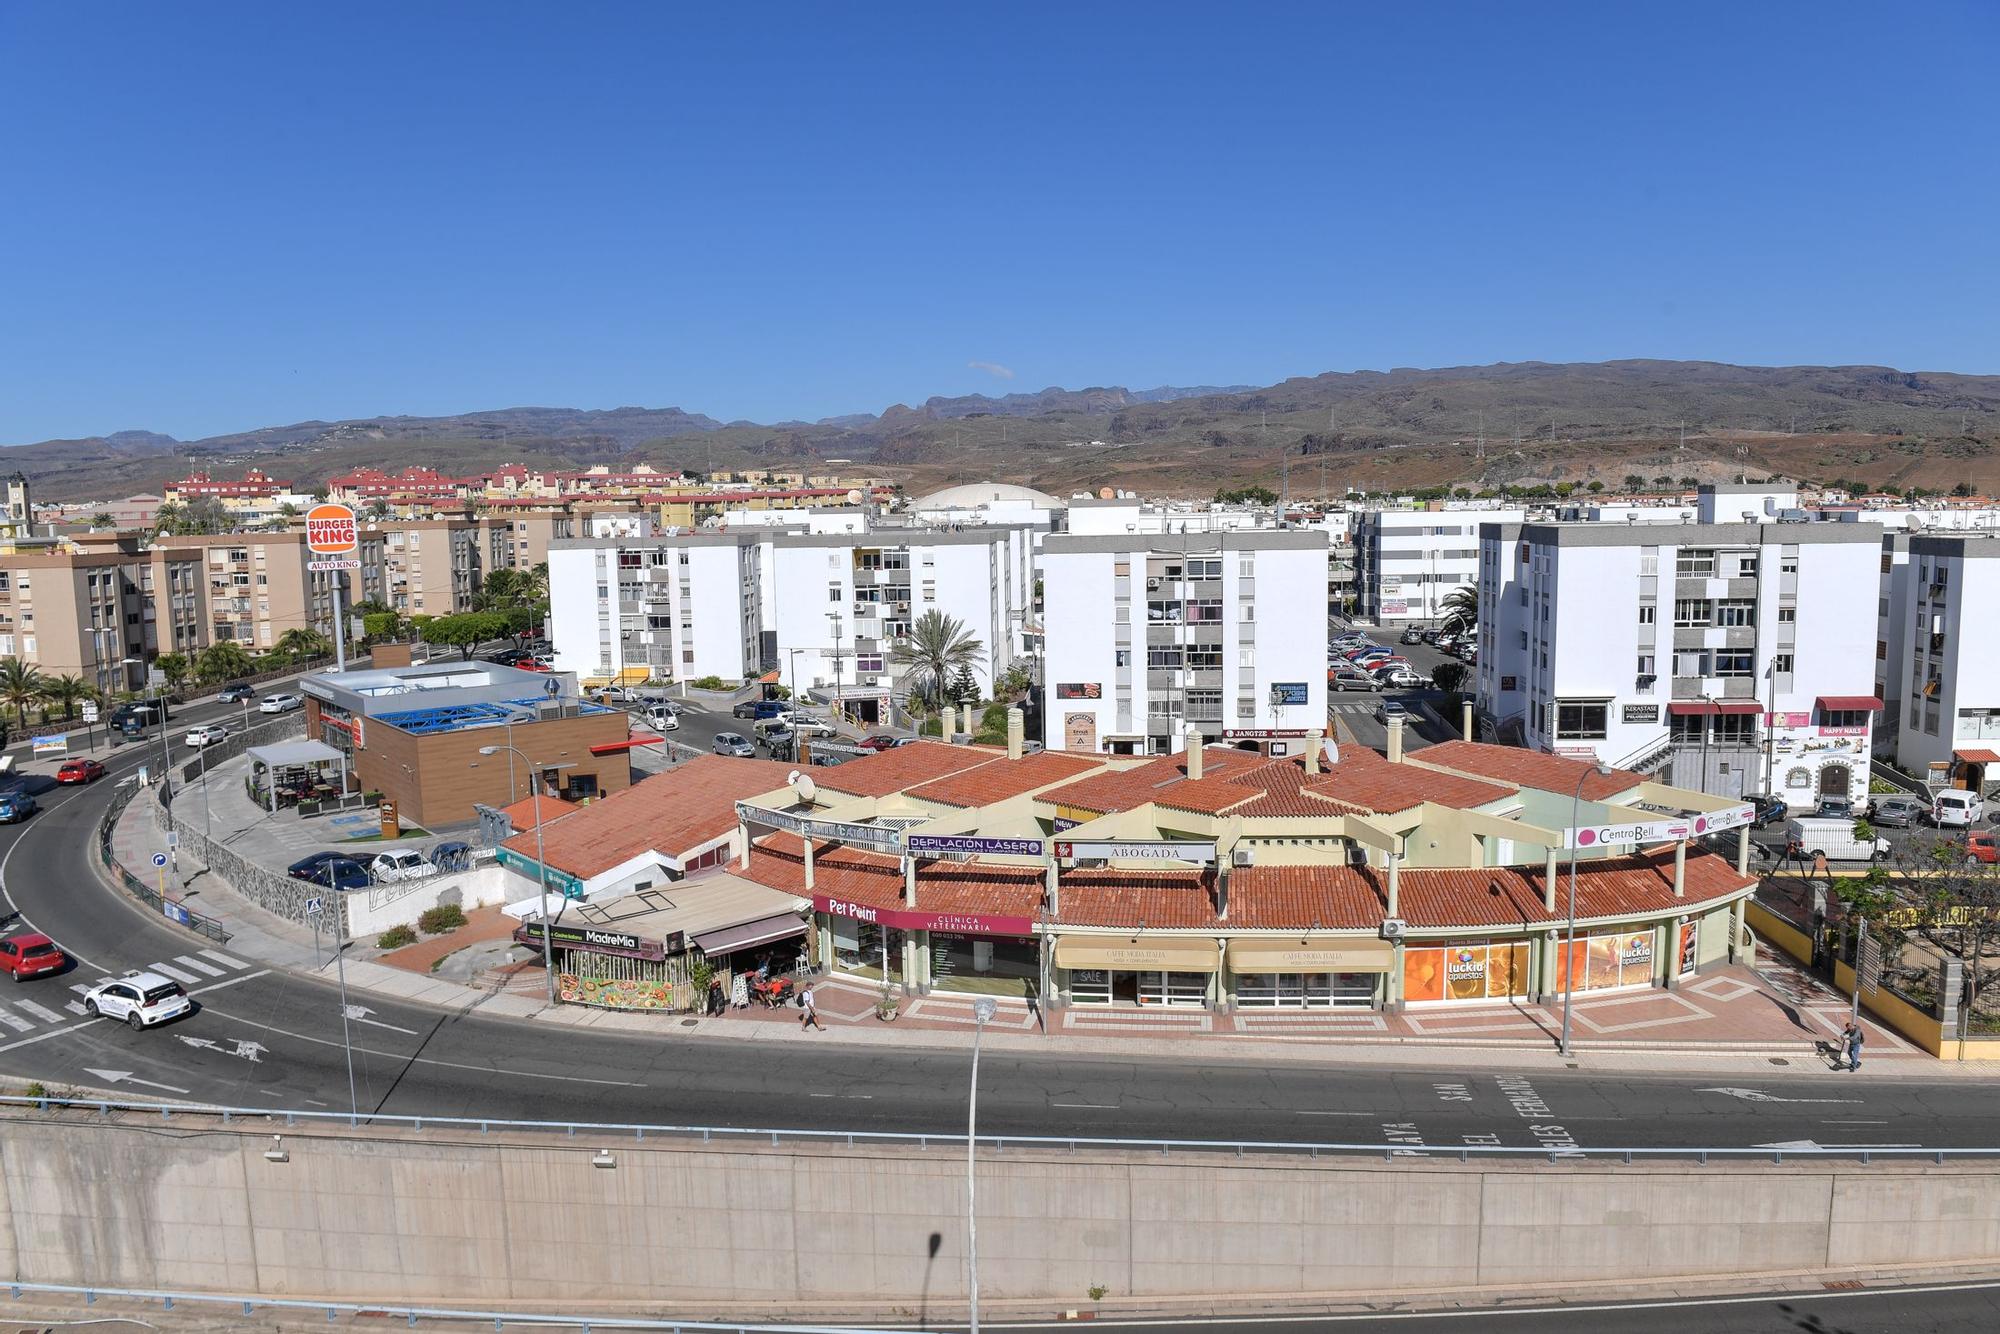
(176, 668)
(936, 646)
(301, 643)
(67, 691)
(102, 519)
(1461, 607)
(20, 686)
(223, 660)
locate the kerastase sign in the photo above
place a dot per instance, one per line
(909, 919)
(1658, 831)
(946, 845)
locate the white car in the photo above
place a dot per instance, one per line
(662, 720)
(805, 725)
(400, 866)
(206, 735)
(280, 703)
(140, 999)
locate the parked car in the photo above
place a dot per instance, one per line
(452, 856)
(343, 873)
(80, 771)
(776, 737)
(530, 665)
(1389, 710)
(1401, 677)
(1981, 845)
(30, 954)
(1897, 812)
(16, 806)
(662, 720)
(312, 866)
(236, 692)
(140, 999)
(1766, 808)
(206, 735)
(283, 702)
(880, 741)
(811, 726)
(389, 867)
(1814, 836)
(1412, 636)
(1834, 808)
(1955, 808)
(733, 743)
(1351, 678)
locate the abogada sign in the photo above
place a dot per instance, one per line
(1145, 850)
(1659, 831)
(333, 537)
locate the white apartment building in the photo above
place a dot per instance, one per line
(1148, 636)
(1732, 657)
(1939, 643)
(820, 609)
(1407, 561)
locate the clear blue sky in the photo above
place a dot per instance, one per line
(216, 216)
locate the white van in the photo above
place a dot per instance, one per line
(1810, 837)
(1955, 808)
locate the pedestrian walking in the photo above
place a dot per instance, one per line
(1851, 1040)
(809, 1018)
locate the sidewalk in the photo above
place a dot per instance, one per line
(1735, 1019)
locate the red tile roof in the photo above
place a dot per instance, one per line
(990, 783)
(890, 771)
(521, 815)
(1525, 768)
(669, 813)
(1365, 780)
(1130, 788)
(778, 860)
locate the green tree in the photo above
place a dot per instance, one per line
(288, 510)
(203, 514)
(1961, 489)
(1594, 487)
(224, 660)
(936, 646)
(20, 686)
(965, 686)
(68, 691)
(464, 631)
(381, 624)
(1450, 676)
(1461, 607)
(1634, 482)
(1663, 480)
(176, 668)
(102, 519)
(1247, 495)
(302, 643)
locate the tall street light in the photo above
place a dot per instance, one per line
(1707, 729)
(541, 866)
(982, 1012)
(1598, 770)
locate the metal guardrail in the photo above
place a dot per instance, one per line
(247, 1305)
(169, 911)
(777, 1137)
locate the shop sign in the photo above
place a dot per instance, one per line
(1843, 731)
(1148, 850)
(879, 838)
(1080, 731)
(1266, 733)
(56, 743)
(1510, 683)
(906, 919)
(939, 845)
(1288, 692)
(597, 941)
(1658, 831)
(1395, 607)
(1640, 713)
(1788, 719)
(1079, 690)
(1061, 823)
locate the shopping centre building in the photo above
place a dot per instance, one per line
(1225, 878)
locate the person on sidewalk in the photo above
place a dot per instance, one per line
(1850, 1041)
(809, 1018)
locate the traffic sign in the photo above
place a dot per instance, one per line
(330, 531)
(315, 906)
(159, 859)
(90, 710)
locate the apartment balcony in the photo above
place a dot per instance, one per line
(1715, 687)
(1203, 713)
(1164, 678)
(1715, 636)
(1206, 679)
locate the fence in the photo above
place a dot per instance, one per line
(138, 888)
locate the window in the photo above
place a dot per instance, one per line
(1881, 650)
(1790, 565)
(1694, 662)
(1646, 664)
(1788, 615)
(1853, 718)
(1685, 726)
(1204, 658)
(1647, 613)
(1121, 657)
(1581, 721)
(1693, 612)
(1736, 729)
(1736, 612)
(1781, 663)
(833, 593)
(1735, 662)
(1205, 610)
(1163, 658)
(1694, 564)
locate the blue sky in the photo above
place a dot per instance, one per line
(224, 216)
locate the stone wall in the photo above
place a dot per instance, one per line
(445, 1215)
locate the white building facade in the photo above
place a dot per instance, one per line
(1733, 658)
(1150, 636)
(1407, 561)
(1945, 689)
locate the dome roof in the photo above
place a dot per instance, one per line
(978, 493)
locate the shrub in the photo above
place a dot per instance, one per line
(395, 938)
(443, 918)
(710, 683)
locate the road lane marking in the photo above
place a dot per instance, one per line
(1087, 1106)
(185, 979)
(50, 1033)
(225, 960)
(217, 986)
(196, 964)
(1336, 1113)
(40, 1012)
(15, 1022)
(75, 1007)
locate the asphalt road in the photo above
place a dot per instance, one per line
(1940, 1309)
(269, 1038)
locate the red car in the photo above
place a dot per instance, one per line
(880, 741)
(1981, 845)
(80, 771)
(30, 955)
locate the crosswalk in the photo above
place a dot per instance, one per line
(20, 1014)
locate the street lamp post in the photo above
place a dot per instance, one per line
(340, 973)
(982, 1012)
(1707, 730)
(1598, 770)
(541, 866)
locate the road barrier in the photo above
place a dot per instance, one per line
(173, 912)
(775, 1137)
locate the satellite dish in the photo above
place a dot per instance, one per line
(854, 497)
(802, 787)
(1104, 493)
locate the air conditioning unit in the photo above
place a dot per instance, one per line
(1393, 928)
(1243, 857)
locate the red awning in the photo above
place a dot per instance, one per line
(1701, 708)
(1850, 703)
(1978, 756)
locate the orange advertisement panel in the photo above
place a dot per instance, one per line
(1600, 962)
(1465, 972)
(1635, 958)
(1423, 974)
(1507, 970)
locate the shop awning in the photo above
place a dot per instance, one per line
(1167, 954)
(1701, 708)
(1978, 756)
(1850, 703)
(741, 937)
(1312, 954)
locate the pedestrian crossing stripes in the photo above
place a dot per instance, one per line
(23, 1015)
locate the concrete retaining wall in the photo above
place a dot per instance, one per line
(367, 1216)
(399, 903)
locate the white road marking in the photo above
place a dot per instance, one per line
(1758, 1095)
(127, 1077)
(75, 1007)
(223, 959)
(217, 986)
(1336, 1113)
(15, 1022)
(1088, 1106)
(185, 979)
(40, 1012)
(49, 1033)
(359, 1014)
(196, 964)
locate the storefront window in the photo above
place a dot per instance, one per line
(1090, 986)
(1466, 970)
(1621, 958)
(1173, 988)
(1311, 991)
(858, 949)
(992, 965)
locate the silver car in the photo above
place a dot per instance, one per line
(734, 743)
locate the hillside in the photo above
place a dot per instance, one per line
(1539, 422)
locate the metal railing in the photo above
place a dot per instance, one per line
(139, 889)
(777, 1137)
(246, 1305)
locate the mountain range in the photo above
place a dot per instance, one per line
(1477, 426)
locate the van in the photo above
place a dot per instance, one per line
(1955, 808)
(1811, 837)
